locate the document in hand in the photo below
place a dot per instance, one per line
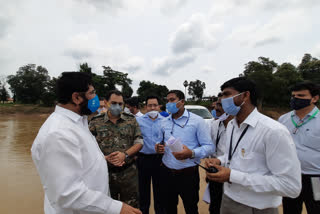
(174, 144)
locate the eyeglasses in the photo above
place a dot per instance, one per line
(152, 105)
(92, 92)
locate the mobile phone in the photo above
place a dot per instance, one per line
(211, 169)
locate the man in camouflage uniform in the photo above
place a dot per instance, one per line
(119, 137)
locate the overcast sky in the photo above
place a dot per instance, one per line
(164, 41)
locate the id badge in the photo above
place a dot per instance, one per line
(315, 183)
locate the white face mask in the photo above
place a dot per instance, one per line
(153, 114)
(126, 110)
(223, 117)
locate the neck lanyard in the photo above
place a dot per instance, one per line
(218, 136)
(301, 123)
(174, 123)
(230, 148)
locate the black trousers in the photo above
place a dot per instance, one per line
(183, 183)
(216, 192)
(149, 169)
(294, 205)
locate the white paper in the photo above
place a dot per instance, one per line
(315, 183)
(174, 144)
(206, 196)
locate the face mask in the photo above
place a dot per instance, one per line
(153, 114)
(223, 117)
(115, 109)
(214, 113)
(229, 107)
(297, 103)
(172, 107)
(126, 110)
(89, 106)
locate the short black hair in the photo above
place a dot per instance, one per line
(163, 107)
(133, 101)
(116, 92)
(243, 84)
(313, 88)
(179, 94)
(70, 82)
(152, 97)
(220, 94)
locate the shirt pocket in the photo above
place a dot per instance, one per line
(251, 162)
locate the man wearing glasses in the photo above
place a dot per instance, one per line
(119, 137)
(149, 161)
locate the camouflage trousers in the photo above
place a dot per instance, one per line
(124, 185)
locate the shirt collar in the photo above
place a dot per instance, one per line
(68, 113)
(106, 117)
(309, 114)
(185, 114)
(251, 120)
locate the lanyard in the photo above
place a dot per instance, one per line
(218, 136)
(230, 148)
(302, 123)
(174, 123)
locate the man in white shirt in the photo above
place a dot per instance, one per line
(133, 105)
(218, 135)
(260, 164)
(303, 124)
(72, 169)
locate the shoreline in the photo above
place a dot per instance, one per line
(25, 109)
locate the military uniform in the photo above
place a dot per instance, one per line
(121, 136)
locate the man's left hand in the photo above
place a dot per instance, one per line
(223, 174)
(183, 154)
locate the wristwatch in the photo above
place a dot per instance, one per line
(127, 156)
(193, 154)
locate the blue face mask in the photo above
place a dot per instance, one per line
(214, 113)
(172, 107)
(229, 107)
(94, 104)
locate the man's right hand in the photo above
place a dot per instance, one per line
(212, 161)
(126, 209)
(159, 148)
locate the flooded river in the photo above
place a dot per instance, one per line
(21, 190)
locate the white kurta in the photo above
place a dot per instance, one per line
(72, 169)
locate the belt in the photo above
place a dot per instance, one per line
(185, 171)
(115, 169)
(140, 154)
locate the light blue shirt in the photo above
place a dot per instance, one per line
(195, 134)
(307, 140)
(151, 132)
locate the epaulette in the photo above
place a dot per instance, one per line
(98, 116)
(127, 114)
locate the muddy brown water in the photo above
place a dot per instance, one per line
(21, 190)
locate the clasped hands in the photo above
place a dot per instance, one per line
(116, 158)
(183, 154)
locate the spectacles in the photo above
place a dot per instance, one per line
(152, 105)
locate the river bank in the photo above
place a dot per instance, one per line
(11, 108)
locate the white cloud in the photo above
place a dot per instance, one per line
(133, 64)
(196, 34)
(317, 51)
(168, 65)
(171, 7)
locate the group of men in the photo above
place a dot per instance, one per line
(107, 165)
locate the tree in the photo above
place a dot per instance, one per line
(196, 89)
(29, 83)
(185, 84)
(4, 95)
(147, 88)
(49, 97)
(309, 68)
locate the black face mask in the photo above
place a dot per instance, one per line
(297, 103)
(84, 110)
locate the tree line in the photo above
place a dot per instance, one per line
(32, 84)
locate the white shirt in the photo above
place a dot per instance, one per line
(138, 114)
(265, 165)
(217, 127)
(72, 169)
(307, 140)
